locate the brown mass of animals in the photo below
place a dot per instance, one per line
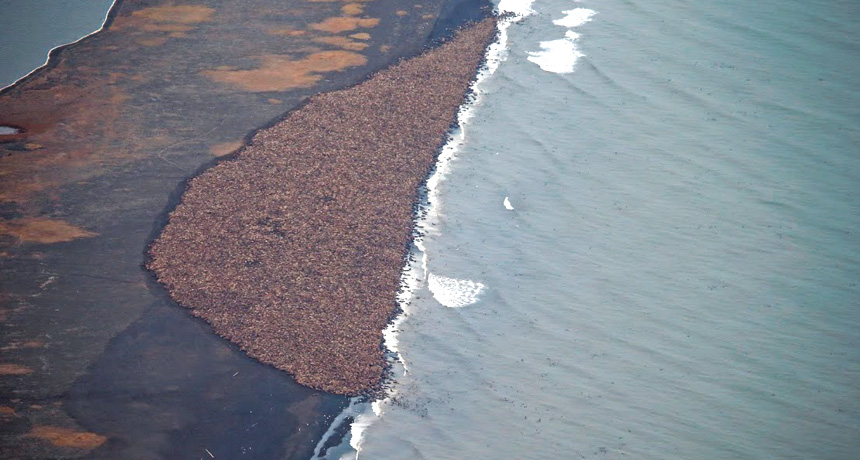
(293, 249)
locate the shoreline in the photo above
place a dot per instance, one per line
(54, 53)
(72, 236)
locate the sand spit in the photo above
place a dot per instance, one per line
(293, 249)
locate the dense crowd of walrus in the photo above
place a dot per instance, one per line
(293, 249)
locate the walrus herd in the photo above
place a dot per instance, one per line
(293, 248)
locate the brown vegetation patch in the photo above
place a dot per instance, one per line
(152, 41)
(361, 36)
(286, 32)
(401, 13)
(160, 27)
(223, 148)
(278, 72)
(294, 248)
(343, 24)
(43, 230)
(6, 411)
(352, 9)
(20, 345)
(342, 42)
(14, 369)
(65, 437)
(77, 117)
(183, 14)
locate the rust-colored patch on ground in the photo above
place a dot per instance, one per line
(361, 36)
(286, 32)
(343, 24)
(14, 369)
(161, 27)
(224, 148)
(43, 230)
(183, 14)
(294, 248)
(65, 437)
(6, 411)
(401, 13)
(75, 120)
(279, 72)
(20, 345)
(342, 42)
(175, 21)
(352, 9)
(152, 41)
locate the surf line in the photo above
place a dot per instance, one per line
(415, 273)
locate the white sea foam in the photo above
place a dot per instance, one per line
(560, 56)
(557, 56)
(454, 293)
(48, 57)
(415, 272)
(575, 17)
(508, 204)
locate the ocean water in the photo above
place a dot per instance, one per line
(643, 243)
(29, 29)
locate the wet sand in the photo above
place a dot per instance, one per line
(96, 359)
(294, 248)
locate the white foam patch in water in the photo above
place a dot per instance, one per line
(454, 293)
(508, 204)
(575, 17)
(415, 270)
(560, 56)
(557, 56)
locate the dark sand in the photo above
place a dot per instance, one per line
(96, 361)
(294, 248)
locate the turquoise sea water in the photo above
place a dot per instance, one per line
(678, 277)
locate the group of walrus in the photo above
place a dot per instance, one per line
(293, 249)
